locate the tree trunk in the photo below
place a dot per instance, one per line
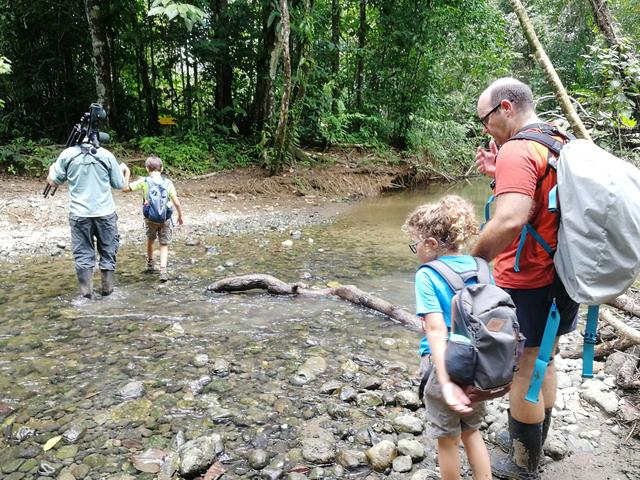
(223, 64)
(608, 27)
(151, 111)
(550, 73)
(266, 68)
(335, 57)
(349, 293)
(281, 139)
(362, 36)
(104, 84)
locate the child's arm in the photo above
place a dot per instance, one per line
(127, 177)
(436, 331)
(176, 203)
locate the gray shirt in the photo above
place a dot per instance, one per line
(90, 177)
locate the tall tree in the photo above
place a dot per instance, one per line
(266, 67)
(281, 138)
(362, 37)
(335, 57)
(223, 64)
(547, 67)
(101, 59)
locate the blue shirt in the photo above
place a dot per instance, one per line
(90, 182)
(433, 293)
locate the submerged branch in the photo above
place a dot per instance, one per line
(349, 293)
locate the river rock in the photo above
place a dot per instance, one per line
(402, 464)
(408, 399)
(74, 432)
(351, 459)
(198, 454)
(319, 450)
(200, 360)
(309, 370)
(608, 401)
(330, 387)
(408, 423)
(411, 448)
(381, 455)
(556, 447)
(221, 367)
(258, 459)
(348, 394)
(149, 461)
(369, 399)
(368, 382)
(425, 474)
(132, 390)
(349, 369)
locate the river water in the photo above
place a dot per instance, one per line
(65, 362)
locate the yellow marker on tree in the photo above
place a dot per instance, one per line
(167, 120)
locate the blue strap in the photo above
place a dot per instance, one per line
(528, 229)
(487, 210)
(544, 354)
(553, 199)
(590, 334)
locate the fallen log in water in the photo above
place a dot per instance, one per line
(349, 293)
(627, 303)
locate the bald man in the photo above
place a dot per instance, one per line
(522, 184)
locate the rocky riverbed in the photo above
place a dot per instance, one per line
(124, 388)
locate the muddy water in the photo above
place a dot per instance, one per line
(64, 362)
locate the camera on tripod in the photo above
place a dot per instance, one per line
(87, 130)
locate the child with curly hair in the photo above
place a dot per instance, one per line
(439, 231)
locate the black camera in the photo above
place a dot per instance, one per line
(86, 130)
(89, 128)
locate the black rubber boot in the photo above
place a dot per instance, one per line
(107, 282)
(85, 281)
(503, 439)
(524, 455)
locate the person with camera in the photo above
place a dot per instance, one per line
(91, 172)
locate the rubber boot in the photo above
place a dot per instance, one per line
(85, 281)
(107, 282)
(524, 455)
(503, 439)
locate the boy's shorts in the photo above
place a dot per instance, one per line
(161, 231)
(532, 310)
(444, 422)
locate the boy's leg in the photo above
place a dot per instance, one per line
(150, 263)
(477, 454)
(448, 458)
(164, 237)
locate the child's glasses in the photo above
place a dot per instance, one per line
(413, 246)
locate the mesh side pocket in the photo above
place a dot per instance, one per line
(460, 361)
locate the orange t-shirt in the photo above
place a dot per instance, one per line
(519, 166)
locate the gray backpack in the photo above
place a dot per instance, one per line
(485, 343)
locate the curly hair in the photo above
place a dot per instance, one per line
(450, 221)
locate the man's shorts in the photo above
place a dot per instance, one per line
(444, 422)
(161, 231)
(532, 309)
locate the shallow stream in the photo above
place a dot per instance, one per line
(194, 362)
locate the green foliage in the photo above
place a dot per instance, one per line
(5, 67)
(26, 157)
(197, 153)
(189, 14)
(443, 144)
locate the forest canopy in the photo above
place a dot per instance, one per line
(254, 81)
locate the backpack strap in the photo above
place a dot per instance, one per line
(457, 280)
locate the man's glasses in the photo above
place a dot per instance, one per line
(485, 119)
(413, 246)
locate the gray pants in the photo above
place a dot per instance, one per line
(87, 233)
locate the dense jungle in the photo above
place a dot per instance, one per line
(299, 135)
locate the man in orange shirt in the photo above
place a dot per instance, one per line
(522, 184)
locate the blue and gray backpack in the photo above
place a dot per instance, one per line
(155, 208)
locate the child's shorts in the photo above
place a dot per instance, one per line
(444, 422)
(161, 231)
